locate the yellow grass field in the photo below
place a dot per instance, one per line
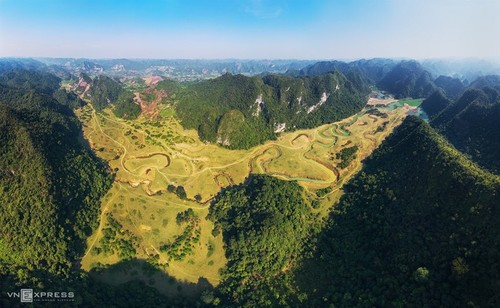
(147, 156)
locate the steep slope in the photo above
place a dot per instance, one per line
(50, 183)
(265, 225)
(419, 226)
(8, 64)
(323, 67)
(50, 190)
(69, 99)
(453, 87)
(486, 81)
(30, 80)
(28, 87)
(266, 105)
(372, 70)
(28, 224)
(203, 105)
(435, 103)
(408, 79)
(472, 125)
(103, 91)
(470, 96)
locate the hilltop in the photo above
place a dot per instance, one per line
(240, 112)
(50, 181)
(309, 188)
(470, 123)
(423, 231)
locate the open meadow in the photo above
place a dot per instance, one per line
(165, 178)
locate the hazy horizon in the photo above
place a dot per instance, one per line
(250, 29)
(230, 59)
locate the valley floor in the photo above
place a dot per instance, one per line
(139, 212)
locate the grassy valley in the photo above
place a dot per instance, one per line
(152, 159)
(249, 153)
(303, 189)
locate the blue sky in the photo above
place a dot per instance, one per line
(279, 29)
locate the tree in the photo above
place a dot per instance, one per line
(181, 192)
(255, 218)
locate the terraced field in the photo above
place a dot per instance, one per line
(163, 170)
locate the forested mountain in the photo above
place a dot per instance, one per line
(419, 225)
(453, 87)
(472, 124)
(435, 103)
(43, 87)
(27, 80)
(50, 182)
(240, 112)
(320, 68)
(492, 81)
(69, 99)
(8, 64)
(408, 79)
(103, 91)
(422, 232)
(465, 101)
(372, 70)
(179, 69)
(50, 190)
(266, 224)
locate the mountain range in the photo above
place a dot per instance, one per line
(418, 225)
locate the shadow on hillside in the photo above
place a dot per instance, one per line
(133, 283)
(151, 276)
